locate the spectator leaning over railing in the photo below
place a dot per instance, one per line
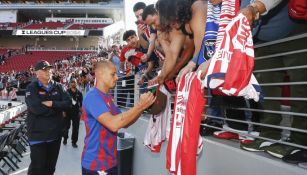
(160, 44)
(145, 35)
(142, 29)
(152, 22)
(185, 22)
(132, 53)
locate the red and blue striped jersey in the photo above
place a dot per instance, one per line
(99, 152)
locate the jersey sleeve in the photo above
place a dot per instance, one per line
(122, 55)
(95, 105)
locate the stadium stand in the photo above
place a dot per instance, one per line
(45, 25)
(24, 61)
(10, 26)
(87, 26)
(3, 51)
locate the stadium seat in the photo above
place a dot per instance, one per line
(24, 61)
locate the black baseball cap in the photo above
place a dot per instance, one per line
(42, 65)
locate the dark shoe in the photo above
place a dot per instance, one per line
(65, 141)
(295, 157)
(74, 145)
(279, 150)
(208, 131)
(256, 145)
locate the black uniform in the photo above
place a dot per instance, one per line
(45, 125)
(73, 114)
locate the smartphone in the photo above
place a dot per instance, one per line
(138, 22)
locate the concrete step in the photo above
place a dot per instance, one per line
(219, 157)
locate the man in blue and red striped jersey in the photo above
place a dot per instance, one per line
(102, 121)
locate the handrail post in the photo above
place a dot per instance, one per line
(136, 88)
(115, 94)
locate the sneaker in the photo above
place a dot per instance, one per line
(64, 141)
(74, 145)
(279, 150)
(295, 157)
(225, 135)
(256, 145)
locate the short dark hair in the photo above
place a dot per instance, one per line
(128, 33)
(73, 80)
(138, 6)
(149, 10)
(173, 10)
(102, 64)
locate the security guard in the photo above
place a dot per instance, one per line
(46, 100)
(73, 114)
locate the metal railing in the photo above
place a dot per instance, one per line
(280, 54)
(127, 92)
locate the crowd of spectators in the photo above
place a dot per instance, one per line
(9, 53)
(171, 40)
(77, 66)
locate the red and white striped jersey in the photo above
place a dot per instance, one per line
(156, 130)
(230, 69)
(184, 140)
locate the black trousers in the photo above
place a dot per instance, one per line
(44, 157)
(73, 119)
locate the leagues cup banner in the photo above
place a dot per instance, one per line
(50, 32)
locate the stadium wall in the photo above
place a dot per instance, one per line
(49, 42)
(219, 157)
(8, 16)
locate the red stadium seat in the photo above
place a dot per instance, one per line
(24, 61)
